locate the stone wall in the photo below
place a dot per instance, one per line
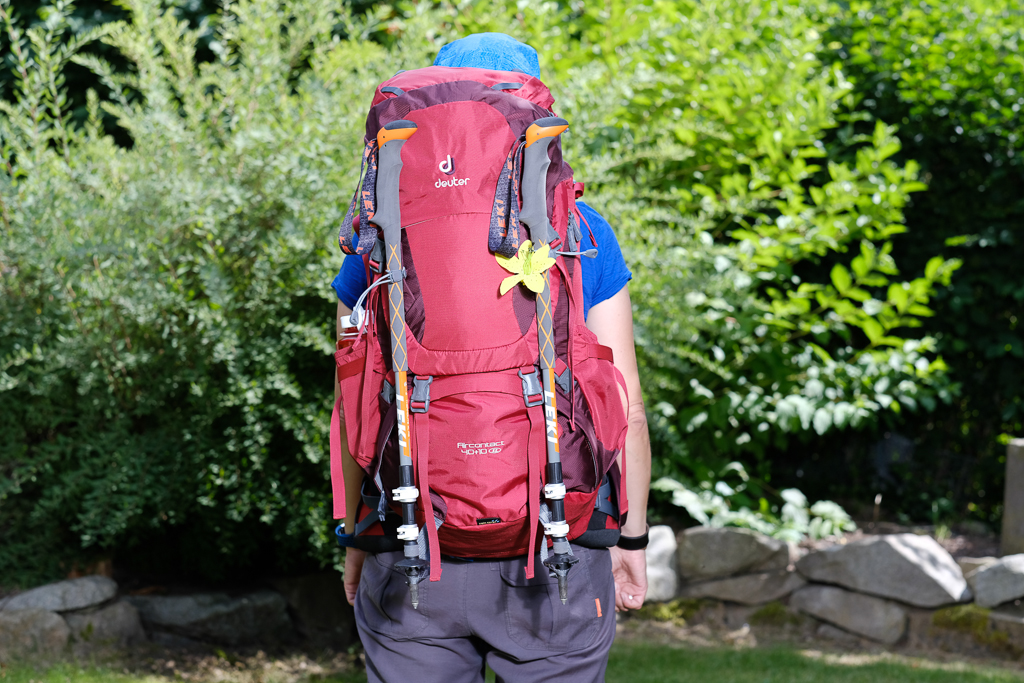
(88, 615)
(888, 589)
(80, 616)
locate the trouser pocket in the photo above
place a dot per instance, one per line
(383, 600)
(534, 614)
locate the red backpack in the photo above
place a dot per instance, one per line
(473, 382)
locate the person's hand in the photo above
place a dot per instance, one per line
(629, 569)
(353, 570)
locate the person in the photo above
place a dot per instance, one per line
(484, 610)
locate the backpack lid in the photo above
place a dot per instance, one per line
(532, 89)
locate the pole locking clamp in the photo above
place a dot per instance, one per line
(556, 529)
(554, 491)
(405, 494)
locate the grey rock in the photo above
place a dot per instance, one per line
(748, 589)
(28, 633)
(830, 632)
(317, 605)
(864, 615)
(784, 558)
(114, 626)
(662, 581)
(710, 553)
(259, 617)
(64, 596)
(905, 567)
(1010, 613)
(969, 564)
(1012, 539)
(999, 582)
(175, 642)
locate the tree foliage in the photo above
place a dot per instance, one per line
(165, 369)
(949, 75)
(165, 378)
(704, 127)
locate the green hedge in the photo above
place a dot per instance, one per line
(165, 381)
(949, 75)
(769, 307)
(165, 372)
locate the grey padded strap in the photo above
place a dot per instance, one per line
(422, 539)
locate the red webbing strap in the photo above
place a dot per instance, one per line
(464, 384)
(534, 445)
(589, 230)
(351, 368)
(623, 496)
(601, 352)
(421, 426)
(337, 470)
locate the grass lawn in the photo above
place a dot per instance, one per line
(636, 663)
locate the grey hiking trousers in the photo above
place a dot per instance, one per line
(486, 611)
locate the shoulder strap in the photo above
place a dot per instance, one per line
(362, 207)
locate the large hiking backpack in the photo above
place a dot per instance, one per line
(449, 394)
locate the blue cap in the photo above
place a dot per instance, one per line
(494, 51)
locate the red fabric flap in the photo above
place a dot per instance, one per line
(533, 89)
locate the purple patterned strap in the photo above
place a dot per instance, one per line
(503, 237)
(363, 201)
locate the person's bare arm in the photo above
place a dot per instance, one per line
(353, 480)
(612, 322)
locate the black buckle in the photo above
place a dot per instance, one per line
(419, 402)
(377, 256)
(532, 392)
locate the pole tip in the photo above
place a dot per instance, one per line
(414, 595)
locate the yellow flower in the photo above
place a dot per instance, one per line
(527, 266)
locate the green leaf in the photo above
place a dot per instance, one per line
(873, 329)
(841, 278)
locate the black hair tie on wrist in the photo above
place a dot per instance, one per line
(634, 542)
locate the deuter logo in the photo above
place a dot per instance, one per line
(448, 167)
(481, 448)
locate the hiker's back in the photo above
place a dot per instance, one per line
(491, 390)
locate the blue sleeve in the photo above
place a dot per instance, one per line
(606, 274)
(351, 280)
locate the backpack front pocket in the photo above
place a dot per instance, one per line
(359, 385)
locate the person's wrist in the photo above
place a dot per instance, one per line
(639, 542)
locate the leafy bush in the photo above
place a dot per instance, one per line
(165, 388)
(720, 504)
(163, 376)
(701, 128)
(949, 74)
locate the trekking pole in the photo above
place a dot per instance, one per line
(389, 219)
(535, 215)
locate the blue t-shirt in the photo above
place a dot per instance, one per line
(603, 276)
